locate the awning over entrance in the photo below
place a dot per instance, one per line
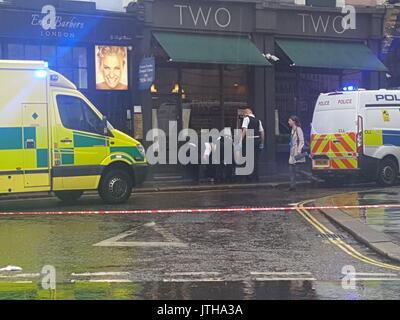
(333, 55)
(197, 48)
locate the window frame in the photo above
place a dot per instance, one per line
(74, 69)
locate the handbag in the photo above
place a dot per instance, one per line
(302, 154)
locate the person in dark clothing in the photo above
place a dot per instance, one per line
(257, 137)
(224, 172)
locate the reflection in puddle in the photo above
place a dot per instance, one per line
(235, 290)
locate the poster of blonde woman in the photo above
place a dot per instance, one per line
(111, 68)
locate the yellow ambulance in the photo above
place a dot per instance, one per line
(357, 131)
(53, 139)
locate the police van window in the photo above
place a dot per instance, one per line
(75, 114)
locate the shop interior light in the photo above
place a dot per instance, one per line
(153, 88)
(175, 88)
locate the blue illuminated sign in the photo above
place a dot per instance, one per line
(146, 73)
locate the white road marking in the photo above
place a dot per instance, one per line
(85, 274)
(102, 280)
(172, 241)
(21, 275)
(142, 244)
(280, 273)
(194, 280)
(221, 231)
(286, 279)
(191, 273)
(376, 274)
(375, 279)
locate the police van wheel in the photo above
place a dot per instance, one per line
(115, 186)
(68, 196)
(388, 171)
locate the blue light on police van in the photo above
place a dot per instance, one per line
(40, 73)
(349, 88)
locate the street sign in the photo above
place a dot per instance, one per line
(146, 73)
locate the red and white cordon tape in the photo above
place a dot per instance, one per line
(206, 210)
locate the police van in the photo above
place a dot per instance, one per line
(357, 132)
(52, 138)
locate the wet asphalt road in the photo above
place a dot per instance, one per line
(241, 255)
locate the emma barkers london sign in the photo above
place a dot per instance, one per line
(54, 25)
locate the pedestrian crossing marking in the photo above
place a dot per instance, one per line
(171, 240)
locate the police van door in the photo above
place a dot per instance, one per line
(35, 145)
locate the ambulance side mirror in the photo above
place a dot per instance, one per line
(105, 128)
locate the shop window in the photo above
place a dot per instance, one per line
(32, 52)
(352, 77)
(16, 51)
(79, 57)
(49, 54)
(166, 79)
(235, 94)
(70, 62)
(80, 77)
(297, 93)
(202, 97)
(64, 56)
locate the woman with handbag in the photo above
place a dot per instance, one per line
(296, 144)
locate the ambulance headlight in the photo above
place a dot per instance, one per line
(41, 73)
(141, 150)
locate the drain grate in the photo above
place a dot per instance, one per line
(334, 236)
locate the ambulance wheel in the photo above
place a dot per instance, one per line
(68, 196)
(115, 186)
(388, 171)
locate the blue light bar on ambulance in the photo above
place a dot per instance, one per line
(40, 73)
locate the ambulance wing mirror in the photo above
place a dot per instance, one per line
(105, 127)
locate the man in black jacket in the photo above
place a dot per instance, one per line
(256, 136)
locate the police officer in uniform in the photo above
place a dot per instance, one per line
(257, 137)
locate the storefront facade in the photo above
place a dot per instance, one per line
(316, 54)
(69, 36)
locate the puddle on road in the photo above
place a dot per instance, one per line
(235, 290)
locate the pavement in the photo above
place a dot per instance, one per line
(378, 228)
